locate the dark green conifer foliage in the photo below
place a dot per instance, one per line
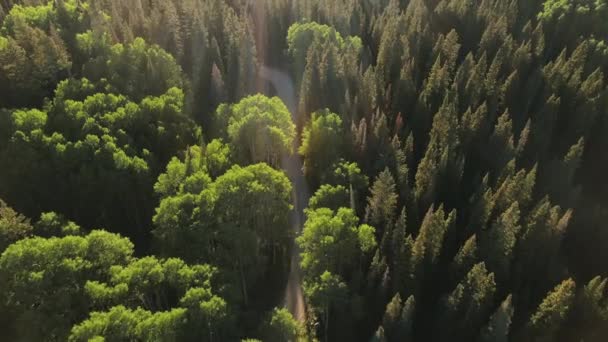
(545, 322)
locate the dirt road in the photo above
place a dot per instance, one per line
(294, 298)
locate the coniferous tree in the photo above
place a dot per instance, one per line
(465, 258)
(382, 203)
(468, 304)
(552, 311)
(497, 329)
(498, 242)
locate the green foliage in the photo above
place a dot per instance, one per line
(27, 121)
(36, 42)
(237, 221)
(379, 336)
(498, 243)
(322, 144)
(282, 327)
(329, 196)
(33, 61)
(149, 283)
(96, 140)
(397, 319)
(44, 279)
(468, 304)
(589, 310)
(442, 164)
(429, 242)
(560, 10)
(465, 258)
(497, 329)
(218, 157)
(259, 129)
(257, 198)
(382, 202)
(192, 174)
(13, 226)
(206, 307)
(552, 311)
(301, 36)
(136, 70)
(52, 224)
(332, 241)
(326, 292)
(349, 173)
(322, 61)
(120, 323)
(35, 16)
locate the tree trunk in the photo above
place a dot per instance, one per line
(327, 323)
(210, 333)
(243, 283)
(352, 199)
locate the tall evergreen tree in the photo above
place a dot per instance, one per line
(545, 323)
(382, 202)
(467, 305)
(497, 329)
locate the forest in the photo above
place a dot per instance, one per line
(304, 170)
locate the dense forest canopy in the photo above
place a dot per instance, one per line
(282, 170)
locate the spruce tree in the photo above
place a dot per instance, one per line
(497, 329)
(545, 323)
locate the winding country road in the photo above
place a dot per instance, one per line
(292, 164)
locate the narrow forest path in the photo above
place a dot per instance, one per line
(292, 164)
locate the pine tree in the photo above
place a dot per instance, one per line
(430, 238)
(382, 202)
(464, 259)
(494, 36)
(429, 101)
(497, 329)
(543, 125)
(429, 243)
(398, 163)
(474, 87)
(377, 286)
(545, 323)
(535, 266)
(390, 46)
(379, 144)
(500, 149)
(559, 182)
(515, 188)
(442, 163)
(467, 305)
(406, 321)
(482, 206)
(402, 273)
(391, 318)
(217, 90)
(498, 242)
(522, 142)
(379, 336)
(404, 89)
(590, 312)
(399, 232)
(472, 124)
(322, 145)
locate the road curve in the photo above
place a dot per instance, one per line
(292, 164)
